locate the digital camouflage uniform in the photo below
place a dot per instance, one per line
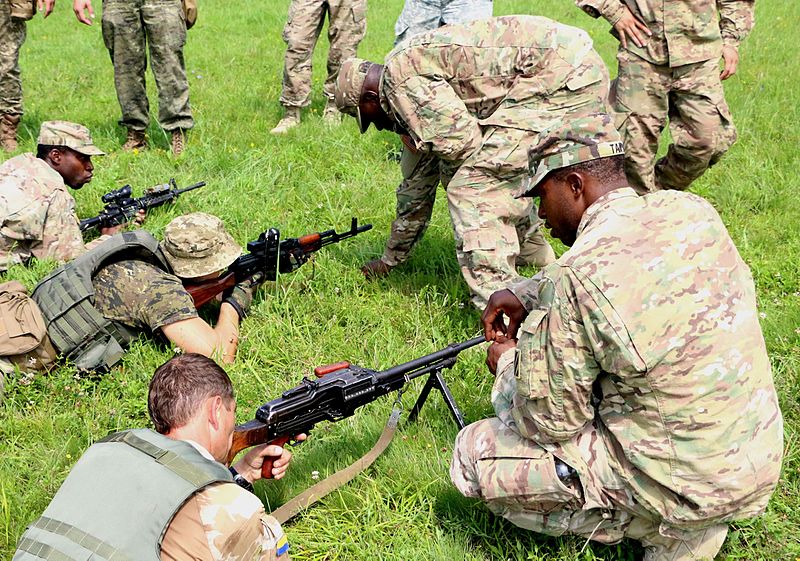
(12, 35)
(676, 77)
(131, 30)
(416, 194)
(347, 24)
(655, 387)
(476, 96)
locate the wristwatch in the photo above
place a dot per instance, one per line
(240, 480)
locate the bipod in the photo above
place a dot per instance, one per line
(436, 381)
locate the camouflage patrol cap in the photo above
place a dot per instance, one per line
(197, 244)
(568, 143)
(71, 135)
(347, 91)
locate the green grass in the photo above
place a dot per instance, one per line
(316, 177)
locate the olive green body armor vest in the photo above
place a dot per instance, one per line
(78, 331)
(118, 500)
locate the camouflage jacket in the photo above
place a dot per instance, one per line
(37, 214)
(444, 85)
(684, 31)
(669, 361)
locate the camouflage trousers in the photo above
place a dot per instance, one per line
(419, 16)
(347, 24)
(691, 97)
(518, 480)
(12, 35)
(131, 28)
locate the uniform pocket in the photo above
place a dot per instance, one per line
(359, 11)
(477, 239)
(533, 377)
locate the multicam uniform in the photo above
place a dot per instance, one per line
(476, 96)
(656, 388)
(37, 214)
(12, 36)
(675, 76)
(130, 28)
(347, 24)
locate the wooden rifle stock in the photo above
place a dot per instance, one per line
(253, 433)
(205, 291)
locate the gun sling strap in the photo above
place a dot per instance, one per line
(342, 477)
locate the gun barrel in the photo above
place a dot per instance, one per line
(89, 223)
(191, 187)
(450, 351)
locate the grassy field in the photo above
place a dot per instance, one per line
(317, 177)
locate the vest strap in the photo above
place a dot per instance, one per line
(42, 551)
(79, 537)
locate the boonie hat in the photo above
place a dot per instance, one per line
(197, 244)
(568, 143)
(71, 135)
(347, 90)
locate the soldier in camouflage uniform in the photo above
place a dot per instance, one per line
(37, 212)
(638, 400)
(131, 28)
(13, 14)
(416, 193)
(347, 24)
(140, 295)
(669, 69)
(192, 407)
(476, 96)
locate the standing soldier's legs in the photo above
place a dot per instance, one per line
(166, 36)
(417, 17)
(301, 32)
(465, 11)
(641, 102)
(700, 123)
(124, 37)
(347, 24)
(12, 36)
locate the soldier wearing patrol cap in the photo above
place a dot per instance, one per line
(633, 392)
(37, 211)
(475, 96)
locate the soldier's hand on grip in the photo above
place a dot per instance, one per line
(503, 303)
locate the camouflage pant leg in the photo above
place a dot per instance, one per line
(302, 29)
(12, 36)
(641, 101)
(124, 37)
(347, 25)
(700, 124)
(416, 195)
(166, 36)
(419, 16)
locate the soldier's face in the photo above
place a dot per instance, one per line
(561, 206)
(75, 168)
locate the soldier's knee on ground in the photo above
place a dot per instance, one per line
(696, 545)
(534, 250)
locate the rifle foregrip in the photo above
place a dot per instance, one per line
(320, 371)
(311, 240)
(266, 467)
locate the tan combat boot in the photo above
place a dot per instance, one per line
(8, 131)
(178, 142)
(331, 115)
(291, 118)
(134, 141)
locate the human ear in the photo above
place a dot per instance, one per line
(214, 409)
(576, 184)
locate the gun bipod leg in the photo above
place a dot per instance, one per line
(436, 380)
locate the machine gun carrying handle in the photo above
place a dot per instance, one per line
(266, 467)
(320, 371)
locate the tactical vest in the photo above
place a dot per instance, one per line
(78, 331)
(118, 500)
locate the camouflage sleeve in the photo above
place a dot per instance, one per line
(437, 118)
(61, 236)
(236, 526)
(736, 20)
(527, 291)
(611, 10)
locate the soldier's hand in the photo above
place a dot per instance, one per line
(46, 5)
(496, 350)
(631, 27)
(111, 230)
(250, 465)
(139, 218)
(376, 269)
(502, 303)
(81, 7)
(730, 56)
(241, 295)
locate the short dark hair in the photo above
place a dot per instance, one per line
(605, 170)
(180, 386)
(42, 150)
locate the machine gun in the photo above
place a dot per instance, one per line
(268, 256)
(340, 390)
(121, 207)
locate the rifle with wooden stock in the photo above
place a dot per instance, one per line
(337, 392)
(268, 256)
